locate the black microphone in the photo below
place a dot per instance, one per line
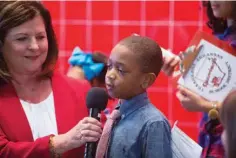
(96, 102)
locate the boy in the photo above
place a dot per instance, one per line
(142, 131)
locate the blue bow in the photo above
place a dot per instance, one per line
(85, 61)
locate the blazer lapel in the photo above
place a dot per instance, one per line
(64, 104)
(12, 116)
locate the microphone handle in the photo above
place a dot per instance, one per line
(95, 113)
(90, 148)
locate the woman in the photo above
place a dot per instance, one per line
(221, 15)
(228, 119)
(42, 113)
(91, 67)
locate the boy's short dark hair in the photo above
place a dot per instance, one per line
(148, 52)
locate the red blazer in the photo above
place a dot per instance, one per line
(16, 140)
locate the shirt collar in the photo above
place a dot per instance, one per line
(128, 106)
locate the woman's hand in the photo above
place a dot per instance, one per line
(87, 130)
(170, 63)
(192, 101)
(76, 72)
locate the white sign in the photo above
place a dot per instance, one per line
(212, 74)
(183, 146)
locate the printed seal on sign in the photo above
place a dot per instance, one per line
(210, 72)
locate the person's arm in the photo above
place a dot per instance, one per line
(76, 72)
(194, 102)
(36, 149)
(157, 140)
(87, 130)
(169, 65)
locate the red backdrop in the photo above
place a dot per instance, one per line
(94, 25)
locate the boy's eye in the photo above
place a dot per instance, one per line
(122, 72)
(109, 66)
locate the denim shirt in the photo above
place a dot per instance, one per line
(142, 132)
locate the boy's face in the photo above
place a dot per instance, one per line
(124, 78)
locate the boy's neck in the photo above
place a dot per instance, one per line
(122, 100)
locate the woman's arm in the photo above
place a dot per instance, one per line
(36, 149)
(87, 130)
(194, 102)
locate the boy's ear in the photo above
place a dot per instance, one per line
(148, 80)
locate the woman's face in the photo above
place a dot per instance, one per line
(25, 47)
(222, 9)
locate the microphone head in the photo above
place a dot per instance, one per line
(97, 98)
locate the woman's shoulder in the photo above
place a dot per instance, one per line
(77, 89)
(64, 80)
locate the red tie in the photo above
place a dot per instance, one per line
(103, 142)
